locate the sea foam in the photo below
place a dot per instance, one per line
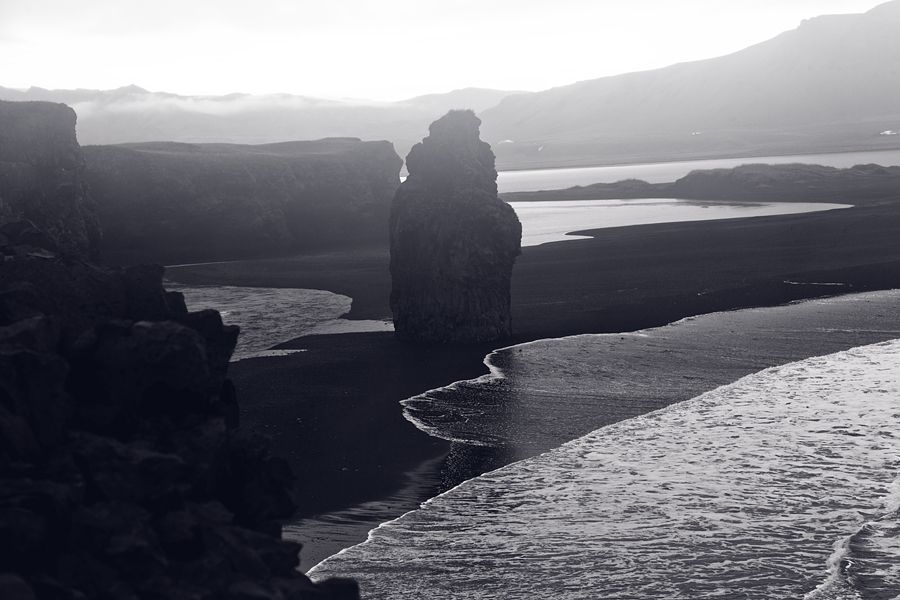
(780, 485)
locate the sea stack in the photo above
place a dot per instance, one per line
(453, 241)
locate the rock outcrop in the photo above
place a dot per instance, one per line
(172, 202)
(453, 241)
(123, 472)
(42, 176)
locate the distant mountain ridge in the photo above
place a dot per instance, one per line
(132, 114)
(831, 83)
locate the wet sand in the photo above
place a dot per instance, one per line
(333, 410)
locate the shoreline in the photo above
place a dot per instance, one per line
(657, 366)
(353, 444)
(499, 498)
(828, 325)
(576, 163)
(589, 285)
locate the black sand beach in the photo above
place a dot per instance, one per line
(629, 278)
(333, 409)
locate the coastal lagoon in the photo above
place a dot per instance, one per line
(553, 221)
(553, 179)
(268, 316)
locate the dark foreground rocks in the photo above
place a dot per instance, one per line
(453, 241)
(123, 472)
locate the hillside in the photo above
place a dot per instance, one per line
(830, 84)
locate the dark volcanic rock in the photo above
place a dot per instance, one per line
(123, 473)
(453, 241)
(42, 177)
(172, 202)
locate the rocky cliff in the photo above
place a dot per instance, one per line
(171, 202)
(41, 176)
(453, 241)
(124, 473)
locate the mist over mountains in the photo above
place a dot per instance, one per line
(831, 84)
(132, 114)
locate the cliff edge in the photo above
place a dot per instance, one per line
(453, 241)
(42, 176)
(123, 470)
(171, 202)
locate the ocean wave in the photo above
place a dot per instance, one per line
(739, 492)
(594, 380)
(866, 563)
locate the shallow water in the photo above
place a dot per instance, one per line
(551, 221)
(269, 316)
(554, 179)
(529, 404)
(545, 393)
(780, 485)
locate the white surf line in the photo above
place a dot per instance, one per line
(789, 282)
(496, 373)
(892, 500)
(835, 563)
(270, 353)
(201, 264)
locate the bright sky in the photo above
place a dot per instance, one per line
(376, 49)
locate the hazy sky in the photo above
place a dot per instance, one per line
(378, 49)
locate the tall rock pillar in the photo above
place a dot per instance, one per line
(453, 241)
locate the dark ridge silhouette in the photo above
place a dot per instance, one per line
(175, 202)
(751, 182)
